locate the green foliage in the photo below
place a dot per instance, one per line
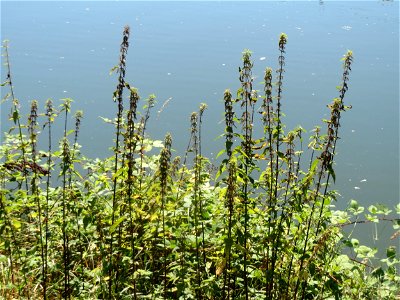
(141, 225)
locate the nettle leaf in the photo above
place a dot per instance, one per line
(281, 155)
(391, 252)
(16, 223)
(332, 172)
(378, 272)
(15, 116)
(118, 173)
(113, 69)
(86, 221)
(220, 153)
(3, 258)
(115, 225)
(314, 165)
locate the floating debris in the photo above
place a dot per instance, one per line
(262, 58)
(346, 27)
(357, 188)
(363, 180)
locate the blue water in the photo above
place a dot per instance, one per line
(189, 52)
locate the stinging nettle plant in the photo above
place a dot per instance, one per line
(145, 224)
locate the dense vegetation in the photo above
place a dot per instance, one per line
(141, 224)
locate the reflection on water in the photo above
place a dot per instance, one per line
(188, 52)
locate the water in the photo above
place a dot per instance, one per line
(189, 52)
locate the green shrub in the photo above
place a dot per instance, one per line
(261, 225)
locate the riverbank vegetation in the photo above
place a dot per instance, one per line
(144, 224)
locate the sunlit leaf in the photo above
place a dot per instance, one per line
(116, 223)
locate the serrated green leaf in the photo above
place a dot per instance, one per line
(314, 165)
(332, 172)
(115, 225)
(113, 69)
(15, 116)
(220, 153)
(16, 223)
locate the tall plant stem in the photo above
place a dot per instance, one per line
(15, 114)
(78, 118)
(150, 104)
(200, 166)
(131, 145)
(247, 124)
(165, 158)
(119, 100)
(16, 119)
(49, 114)
(230, 190)
(268, 123)
(32, 124)
(195, 147)
(280, 71)
(65, 167)
(326, 157)
(182, 246)
(334, 124)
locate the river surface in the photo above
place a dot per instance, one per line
(189, 52)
